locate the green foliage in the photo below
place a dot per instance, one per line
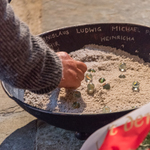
(145, 144)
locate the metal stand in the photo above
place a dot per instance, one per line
(82, 135)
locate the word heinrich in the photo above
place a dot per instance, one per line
(118, 37)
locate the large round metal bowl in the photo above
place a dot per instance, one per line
(131, 38)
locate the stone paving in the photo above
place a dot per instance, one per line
(18, 129)
(57, 14)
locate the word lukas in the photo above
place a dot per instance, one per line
(88, 30)
(125, 29)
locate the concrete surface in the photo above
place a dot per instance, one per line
(18, 129)
(57, 14)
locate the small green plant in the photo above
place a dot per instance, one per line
(145, 144)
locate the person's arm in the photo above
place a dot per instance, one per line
(25, 60)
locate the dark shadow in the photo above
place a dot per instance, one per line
(68, 100)
(21, 139)
(38, 135)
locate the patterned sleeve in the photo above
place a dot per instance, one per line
(26, 62)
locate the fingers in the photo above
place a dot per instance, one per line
(82, 66)
(80, 75)
(79, 68)
(75, 85)
(63, 55)
(73, 71)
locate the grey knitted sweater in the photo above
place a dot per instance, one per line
(26, 62)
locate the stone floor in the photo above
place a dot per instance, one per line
(18, 129)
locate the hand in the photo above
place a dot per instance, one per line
(73, 71)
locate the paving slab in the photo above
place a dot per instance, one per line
(49, 137)
(22, 138)
(29, 11)
(58, 14)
